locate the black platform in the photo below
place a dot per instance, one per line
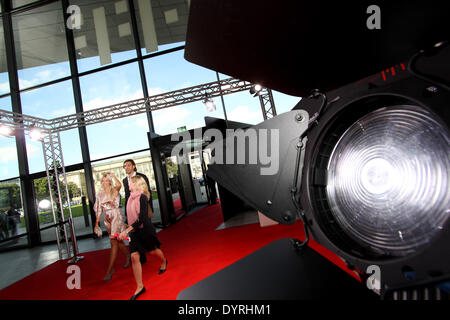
(279, 272)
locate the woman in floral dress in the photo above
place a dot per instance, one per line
(107, 203)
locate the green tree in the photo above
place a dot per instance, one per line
(41, 188)
(172, 168)
(74, 190)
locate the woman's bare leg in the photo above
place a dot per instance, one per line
(160, 255)
(124, 250)
(137, 271)
(112, 257)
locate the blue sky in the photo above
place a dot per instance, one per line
(164, 73)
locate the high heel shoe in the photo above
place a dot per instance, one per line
(135, 296)
(161, 271)
(108, 276)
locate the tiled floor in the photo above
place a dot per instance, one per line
(16, 265)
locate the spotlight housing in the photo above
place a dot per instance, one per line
(368, 174)
(209, 103)
(256, 90)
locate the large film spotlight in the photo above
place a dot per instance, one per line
(388, 178)
(367, 169)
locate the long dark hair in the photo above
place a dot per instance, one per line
(132, 162)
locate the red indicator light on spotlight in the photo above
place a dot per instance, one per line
(394, 71)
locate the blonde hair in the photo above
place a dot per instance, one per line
(141, 185)
(112, 191)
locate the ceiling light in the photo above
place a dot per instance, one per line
(36, 134)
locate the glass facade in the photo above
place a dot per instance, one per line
(59, 58)
(102, 33)
(4, 79)
(40, 45)
(12, 215)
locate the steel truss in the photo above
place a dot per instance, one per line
(59, 192)
(267, 104)
(51, 143)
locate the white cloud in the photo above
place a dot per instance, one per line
(155, 91)
(44, 75)
(41, 77)
(23, 83)
(167, 120)
(142, 122)
(101, 155)
(8, 154)
(62, 112)
(34, 150)
(4, 87)
(244, 114)
(104, 102)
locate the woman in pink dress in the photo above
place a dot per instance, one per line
(107, 202)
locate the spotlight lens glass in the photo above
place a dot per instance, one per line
(389, 180)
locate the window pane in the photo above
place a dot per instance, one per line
(8, 158)
(4, 79)
(143, 165)
(284, 102)
(161, 24)
(35, 155)
(76, 185)
(43, 208)
(171, 72)
(190, 115)
(107, 88)
(51, 102)
(19, 3)
(9, 165)
(243, 107)
(12, 220)
(40, 44)
(70, 143)
(105, 33)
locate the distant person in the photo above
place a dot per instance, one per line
(141, 231)
(4, 233)
(107, 202)
(130, 169)
(14, 221)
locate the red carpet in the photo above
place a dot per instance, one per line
(178, 207)
(194, 251)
